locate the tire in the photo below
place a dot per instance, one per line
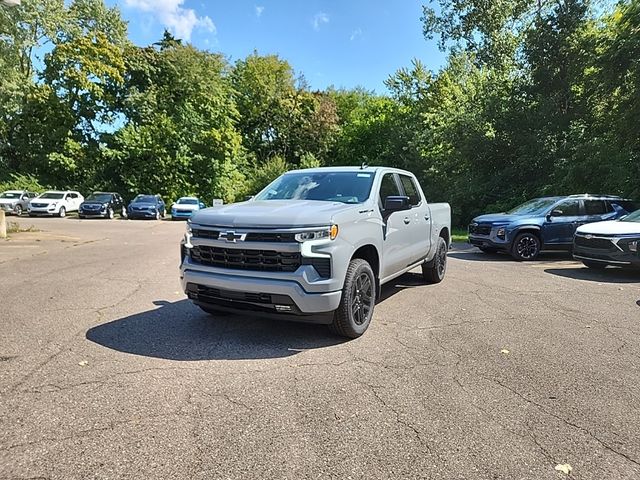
(435, 270)
(123, 213)
(488, 250)
(353, 316)
(594, 265)
(18, 210)
(158, 217)
(110, 213)
(62, 212)
(526, 247)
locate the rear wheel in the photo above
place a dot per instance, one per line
(62, 213)
(526, 247)
(434, 271)
(594, 265)
(353, 316)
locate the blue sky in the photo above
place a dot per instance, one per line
(344, 43)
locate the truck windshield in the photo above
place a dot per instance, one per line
(533, 207)
(632, 217)
(344, 187)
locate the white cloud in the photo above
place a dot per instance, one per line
(259, 10)
(319, 19)
(355, 34)
(179, 20)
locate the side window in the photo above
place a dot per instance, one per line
(67, 196)
(388, 187)
(569, 208)
(410, 190)
(596, 207)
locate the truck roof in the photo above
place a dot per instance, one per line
(364, 168)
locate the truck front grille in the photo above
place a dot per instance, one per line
(274, 237)
(246, 259)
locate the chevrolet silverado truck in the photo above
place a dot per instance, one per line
(315, 245)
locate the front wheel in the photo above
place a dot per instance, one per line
(353, 316)
(434, 271)
(594, 265)
(158, 215)
(110, 213)
(526, 247)
(18, 210)
(62, 212)
(123, 212)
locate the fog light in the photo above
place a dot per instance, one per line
(283, 308)
(501, 233)
(633, 246)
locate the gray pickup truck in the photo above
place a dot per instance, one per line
(315, 245)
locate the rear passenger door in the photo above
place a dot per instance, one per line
(396, 239)
(597, 211)
(417, 219)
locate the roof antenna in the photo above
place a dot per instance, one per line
(364, 165)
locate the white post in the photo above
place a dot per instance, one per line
(3, 225)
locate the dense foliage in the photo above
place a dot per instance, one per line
(537, 97)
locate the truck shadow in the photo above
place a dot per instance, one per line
(478, 256)
(608, 275)
(181, 331)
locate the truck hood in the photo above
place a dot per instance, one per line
(612, 227)
(271, 213)
(503, 218)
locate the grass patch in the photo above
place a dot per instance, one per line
(14, 227)
(459, 235)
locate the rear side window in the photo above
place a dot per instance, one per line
(410, 189)
(596, 207)
(569, 208)
(388, 187)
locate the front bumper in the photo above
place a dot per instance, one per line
(7, 207)
(182, 214)
(93, 213)
(489, 242)
(43, 210)
(285, 299)
(142, 213)
(618, 258)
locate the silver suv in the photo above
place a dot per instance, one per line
(16, 201)
(315, 245)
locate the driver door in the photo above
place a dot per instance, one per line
(396, 238)
(559, 229)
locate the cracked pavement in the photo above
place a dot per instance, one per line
(503, 371)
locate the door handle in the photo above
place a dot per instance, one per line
(407, 220)
(426, 217)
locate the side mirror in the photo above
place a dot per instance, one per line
(248, 197)
(556, 213)
(202, 205)
(396, 204)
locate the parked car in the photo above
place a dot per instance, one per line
(546, 223)
(103, 204)
(54, 202)
(147, 206)
(616, 242)
(316, 245)
(16, 201)
(185, 207)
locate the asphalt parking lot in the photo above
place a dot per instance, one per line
(503, 371)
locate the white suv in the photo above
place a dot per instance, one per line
(55, 203)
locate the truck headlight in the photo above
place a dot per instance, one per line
(328, 232)
(633, 246)
(189, 229)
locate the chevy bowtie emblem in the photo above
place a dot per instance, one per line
(233, 237)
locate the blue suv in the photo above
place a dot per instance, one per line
(546, 223)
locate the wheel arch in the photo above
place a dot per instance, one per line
(444, 233)
(370, 254)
